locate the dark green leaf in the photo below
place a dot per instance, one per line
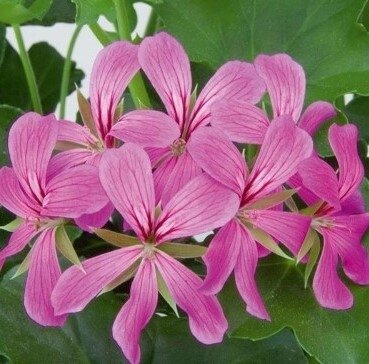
(48, 65)
(323, 37)
(357, 112)
(23, 341)
(328, 335)
(173, 343)
(7, 115)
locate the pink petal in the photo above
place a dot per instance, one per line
(355, 204)
(67, 159)
(320, 178)
(285, 82)
(328, 288)
(244, 274)
(343, 140)
(219, 158)
(32, 139)
(125, 173)
(315, 115)
(296, 182)
(44, 272)
(137, 311)
(287, 227)
(113, 69)
(157, 155)
(74, 192)
(167, 66)
(285, 146)
(235, 80)
(202, 205)
(18, 241)
(206, 318)
(75, 288)
(221, 257)
(95, 220)
(162, 174)
(75, 134)
(182, 171)
(13, 198)
(147, 128)
(345, 237)
(242, 122)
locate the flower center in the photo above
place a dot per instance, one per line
(149, 251)
(97, 146)
(178, 147)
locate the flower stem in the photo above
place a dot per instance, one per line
(136, 87)
(66, 71)
(28, 70)
(101, 35)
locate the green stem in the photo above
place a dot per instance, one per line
(66, 71)
(136, 87)
(101, 35)
(28, 70)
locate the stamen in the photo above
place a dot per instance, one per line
(178, 147)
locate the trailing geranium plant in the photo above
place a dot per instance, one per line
(238, 161)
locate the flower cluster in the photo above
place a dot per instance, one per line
(175, 174)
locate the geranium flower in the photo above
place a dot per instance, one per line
(167, 136)
(200, 206)
(285, 82)
(339, 217)
(235, 246)
(113, 69)
(43, 203)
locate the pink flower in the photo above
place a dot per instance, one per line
(200, 206)
(235, 246)
(42, 202)
(340, 218)
(168, 136)
(113, 69)
(285, 82)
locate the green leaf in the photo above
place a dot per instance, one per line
(61, 11)
(117, 239)
(89, 11)
(12, 226)
(173, 343)
(15, 11)
(357, 112)
(48, 66)
(178, 250)
(272, 200)
(325, 39)
(23, 341)
(65, 246)
(7, 115)
(328, 335)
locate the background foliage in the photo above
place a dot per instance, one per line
(331, 41)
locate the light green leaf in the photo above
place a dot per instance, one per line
(178, 250)
(313, 257)
(272, 200)
(65, 246)
(330, 336)
(12, 226)
(325, 39)
(267, 241)
(117, 239)
(310, 239)
(164, 291)
(14, 11)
